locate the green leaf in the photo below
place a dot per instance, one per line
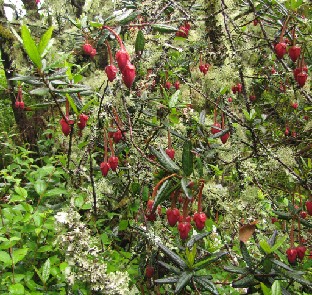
(236, 269)
(5, 257)
(245, 253)
(55, 192)
(214, 257)
(123, 224)
(43, 91)
(169, 267)
(21, 191)
(164, 160)
(245, 282)
(276, 288)
(174, 257)
(17, 289)
(279, 243)
(46, 271)
(127, 17)
(164, 28)
(72, 104)
(30, 46)
(265, 246)
(169, 280)
(174, 99)
(190, 255)
(265, 289)
(283, 215)
(44, 41)
(206, 284)
(139, 42)
(196, 238)
(184, 183)
(187, 158)
(184, 279)
(163, 193)
(40, 186)
(19, 254)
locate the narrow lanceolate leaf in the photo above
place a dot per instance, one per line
(30, 47)
(162, 193)
(164, 28)
(187, 158)
(184, 183)
(245, 253)
(44, 41)
(164, 160)
(169, 280)
(281, 264)
(173, 256)
(283, 215)
(196, 238)
(169, 267)
(245, 282)
(72, 104)
(43, 91)
(236, 269)
(279, 243)
(46, 270)
(184, 279)
(139, 42)
(206, 284)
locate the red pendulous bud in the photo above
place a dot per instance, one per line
(292, 255)
(117, 136)
(184, 229)
(104, 168)
(280, 49)
(173, 216)
(149, 271)
(65, 126)
(217, 129)
(301, 252)
(302, 78)
(309, 207)
(111, 72)
(200, 219)
(113, 162)
(167, 85)
(122, 58)
(93, 53)
(294, 53)
(177, 85)
(225, 137)
(87, 48)
(128, 74)
(170, 153)
(82, 121)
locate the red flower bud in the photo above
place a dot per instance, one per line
(82, 121)
(294, 53)
(117, 136)
(309, 207)
(104, 168)
(149, 271)
(173, 216)
(170, 153)
(17, 104)
(302, 78)
(128, 74)
(280, 49)
(87, 48)
(177, 85)
(200, 219)
(215, 130)
(167, 85)
(113, 162)
(225, 137)
(184, 229)
(292, 255)
(93, 53)
(65, 126)
(122, 58)
(301, 252)
(111, 72)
